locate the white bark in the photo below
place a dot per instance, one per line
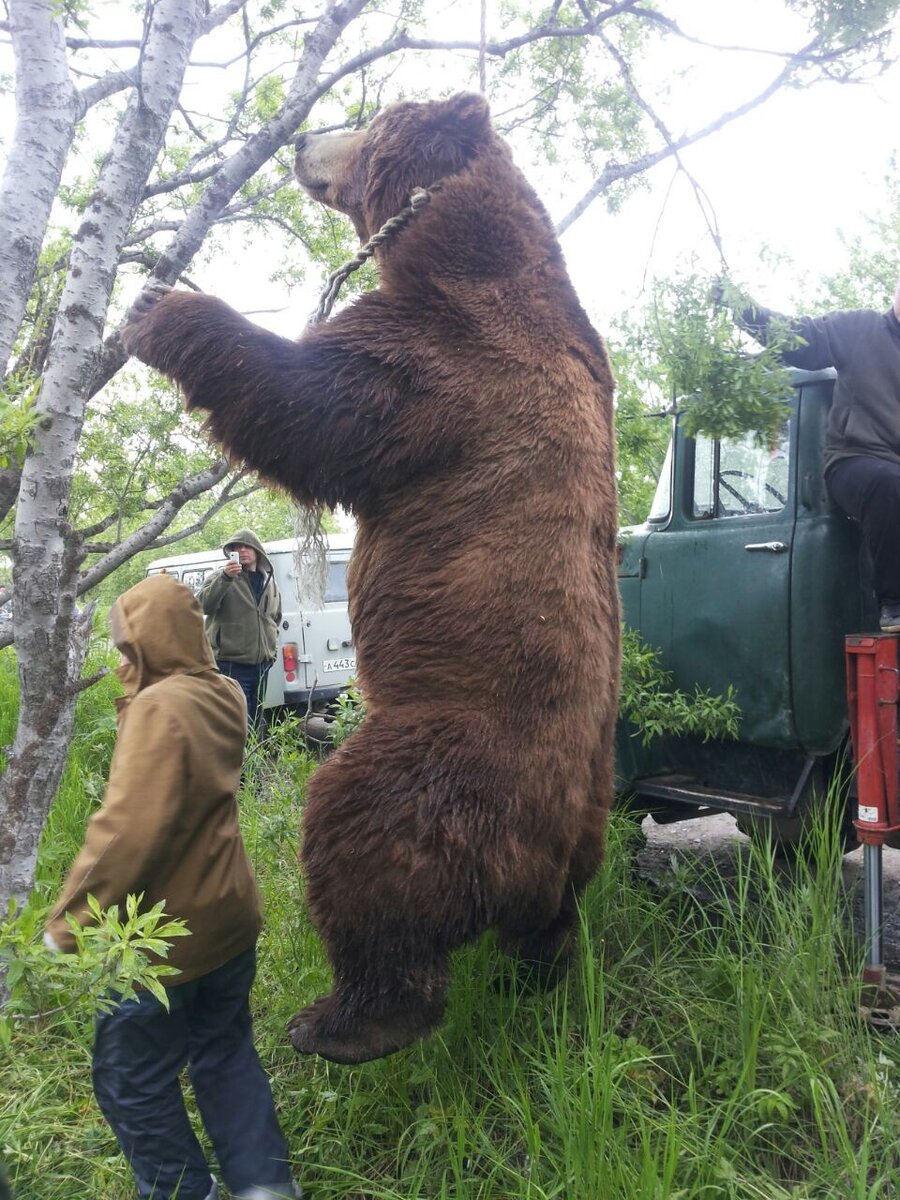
(258, 148)
(47, 109)
(48, 633)
(47, 628)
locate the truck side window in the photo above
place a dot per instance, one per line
(705, 455)
(738, 477)
(704, 504)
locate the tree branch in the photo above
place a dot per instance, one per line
(89, 680)
(226, 497)
(256, 41)
(616, 172)
(116, 81)
(218, 16)
(202, 522)
(805, 56)
(700, 195)
(145, 537)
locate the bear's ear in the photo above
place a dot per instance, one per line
(467, 115)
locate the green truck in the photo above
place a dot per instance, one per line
(746, 574)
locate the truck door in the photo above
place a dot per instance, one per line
(715, 588)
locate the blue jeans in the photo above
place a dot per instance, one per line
(139, 1052)
(252, 679)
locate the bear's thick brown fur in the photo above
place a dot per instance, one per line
(463, 412)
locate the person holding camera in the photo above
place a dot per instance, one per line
(242, 606)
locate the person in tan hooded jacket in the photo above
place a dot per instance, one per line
(168, 830)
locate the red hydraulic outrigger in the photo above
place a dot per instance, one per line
(873, 692)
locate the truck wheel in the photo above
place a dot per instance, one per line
(317, 730)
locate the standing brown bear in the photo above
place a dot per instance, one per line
(463, 412)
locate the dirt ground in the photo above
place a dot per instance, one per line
(718, 839)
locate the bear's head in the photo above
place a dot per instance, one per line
(368, 174)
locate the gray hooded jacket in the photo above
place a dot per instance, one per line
(864, 348)
(239, 628)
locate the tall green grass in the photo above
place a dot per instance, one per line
(706, 1046)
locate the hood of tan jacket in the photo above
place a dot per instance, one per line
(158, 626)
(168, 827)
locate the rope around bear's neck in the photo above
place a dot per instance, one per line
(418, 199)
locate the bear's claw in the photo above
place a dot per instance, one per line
(146, 301)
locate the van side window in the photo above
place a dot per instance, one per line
(737, 477)
(336, 583)
(194, 578)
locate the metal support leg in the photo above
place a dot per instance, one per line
(873, 692)
(874, 892)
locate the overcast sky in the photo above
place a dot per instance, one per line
(788, 178)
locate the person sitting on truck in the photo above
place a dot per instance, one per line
(862, 443)
(168, 831)
(243, 609)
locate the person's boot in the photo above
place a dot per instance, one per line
(889, 619)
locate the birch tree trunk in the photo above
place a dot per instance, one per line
(51, 636)
(47, 107)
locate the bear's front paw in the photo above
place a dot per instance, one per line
(134, 333)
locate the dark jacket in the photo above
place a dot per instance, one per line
(240, 627)
(864, 348)
(168, 826)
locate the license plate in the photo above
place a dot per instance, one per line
(330, 665)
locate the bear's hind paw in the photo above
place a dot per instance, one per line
(360, 1040)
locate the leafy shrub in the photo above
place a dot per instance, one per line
(723, 390)
(350, 709)
(111, 959)
(648, 701)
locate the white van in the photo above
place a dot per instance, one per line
(315, 658)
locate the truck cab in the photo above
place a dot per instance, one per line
(746, 574)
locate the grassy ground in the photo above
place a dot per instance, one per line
(695, 1053)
